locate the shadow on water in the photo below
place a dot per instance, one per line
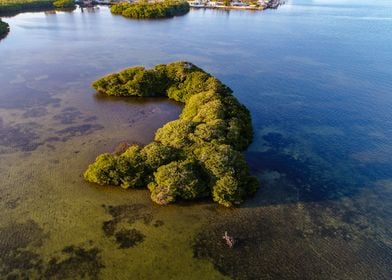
(133, 100)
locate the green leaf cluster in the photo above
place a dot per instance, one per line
(183, 179)
(133, 168)
(148, 10)
(64, 3)
(198, 155)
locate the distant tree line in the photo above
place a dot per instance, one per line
(195, 156)
(12, 7)
(146, 10)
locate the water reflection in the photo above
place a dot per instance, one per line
(92, 9)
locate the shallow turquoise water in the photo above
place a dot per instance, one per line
(316, 76)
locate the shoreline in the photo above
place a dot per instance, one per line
(271, 4)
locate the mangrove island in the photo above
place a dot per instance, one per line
(195, 156)
(151, 10)
(4, 29)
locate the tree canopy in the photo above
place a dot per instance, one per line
(64, 3)
(148, 10)
(11, 7)
(198, 155)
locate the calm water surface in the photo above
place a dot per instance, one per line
(317, 78)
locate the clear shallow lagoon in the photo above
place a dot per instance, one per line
(317, 77)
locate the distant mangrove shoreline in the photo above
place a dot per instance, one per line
(143, 9)
(14, 7)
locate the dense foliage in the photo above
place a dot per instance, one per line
(197, 155)
(17, 6)
(64, 3)
(145, 10)
(4, 29)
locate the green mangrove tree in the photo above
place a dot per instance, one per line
(195, 156)
(151, 10)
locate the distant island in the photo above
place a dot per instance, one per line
(4, 29)
(151, 10)
(196, 156)
(13, 7)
